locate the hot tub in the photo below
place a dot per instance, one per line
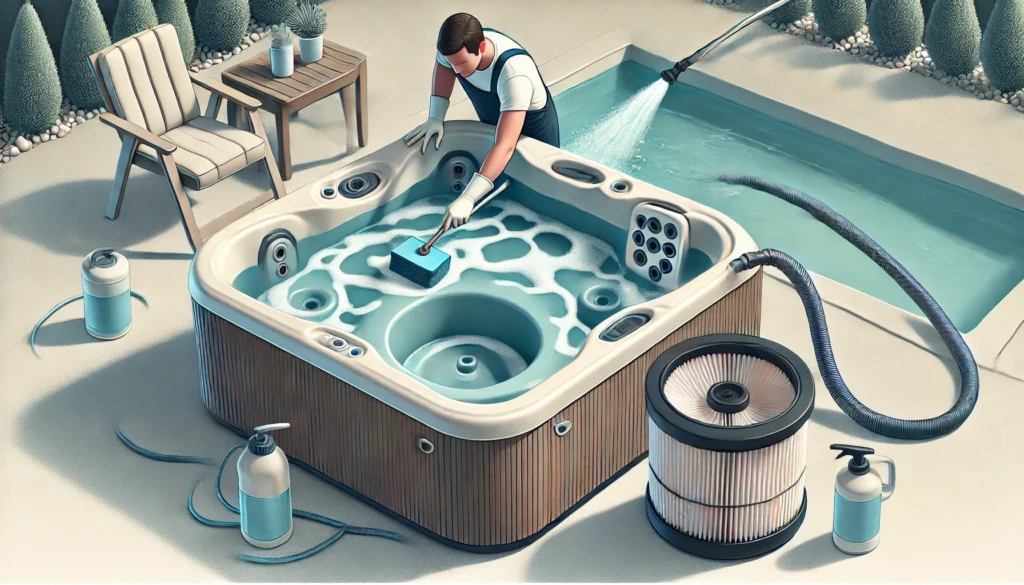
(483, 410)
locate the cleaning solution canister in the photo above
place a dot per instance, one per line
(860, 492)
(264, 490)
(106, 291)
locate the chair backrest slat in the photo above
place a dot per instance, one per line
(144, 80)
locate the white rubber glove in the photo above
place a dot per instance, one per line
(460, 209)
(434, 126)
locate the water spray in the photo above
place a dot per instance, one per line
(672, 74)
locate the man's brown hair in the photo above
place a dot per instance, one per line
(460, 31)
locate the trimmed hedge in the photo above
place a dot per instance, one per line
(175, 13)
(1002, 46)
(32, 96)
(132, 17)
(953, 36)
(271, 11)
(896, 26)
(789, 13)
(221, 24)
(85, 33)
(839, 19)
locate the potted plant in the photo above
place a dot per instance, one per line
(282, 57)
(308, 20)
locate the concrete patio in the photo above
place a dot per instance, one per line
(76, 505)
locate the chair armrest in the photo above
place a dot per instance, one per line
(161, 145)
(232, 95)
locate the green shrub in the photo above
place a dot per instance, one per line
(132, 17)
(840, 19)
(1002, 46)
(84, 34)
(221, 24)
(789, 13)
(271, 11)
(896, 26)
(175, 12)
(32, 97)
(953, 36)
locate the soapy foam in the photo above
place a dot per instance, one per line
(586, 253)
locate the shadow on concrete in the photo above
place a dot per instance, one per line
(614, 546)
(813, 554)
(64, 333)
(908, 85)
(68, 218)
(817, 57)
(154, 397)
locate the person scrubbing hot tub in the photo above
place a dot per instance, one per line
(507, 91)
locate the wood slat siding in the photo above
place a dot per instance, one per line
(478, 493)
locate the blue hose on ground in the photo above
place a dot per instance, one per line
(61, 305)
(341, 526)
(873, 421)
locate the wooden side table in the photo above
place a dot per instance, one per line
(341, 70)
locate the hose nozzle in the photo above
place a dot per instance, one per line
(672, 75)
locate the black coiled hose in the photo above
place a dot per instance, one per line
(878, 423)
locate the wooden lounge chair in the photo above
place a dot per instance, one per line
(152, 104)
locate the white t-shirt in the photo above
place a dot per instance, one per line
(519, 83)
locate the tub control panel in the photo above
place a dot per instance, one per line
(656, 244)
(624, 327)
(340, 345)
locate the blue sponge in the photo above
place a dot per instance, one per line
(425, 271)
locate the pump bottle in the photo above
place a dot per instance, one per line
(860, 492)
(264, 490)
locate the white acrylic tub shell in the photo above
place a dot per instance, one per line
(305, 213)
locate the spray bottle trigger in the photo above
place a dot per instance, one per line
(852, 450)
(859, 463)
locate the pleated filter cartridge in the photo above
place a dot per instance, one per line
(728, 445)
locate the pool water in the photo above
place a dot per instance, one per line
(523, 292)
(962, 247)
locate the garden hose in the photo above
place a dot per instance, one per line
(61, 305)
(341, 526)
(873, 421)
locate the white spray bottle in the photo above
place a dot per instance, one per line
(860, 491)
(264, 490)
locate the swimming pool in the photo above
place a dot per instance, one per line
(963, 247)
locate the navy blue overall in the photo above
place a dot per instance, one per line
(540, 125)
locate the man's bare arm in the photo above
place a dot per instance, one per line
(444, 81)
(510, 128)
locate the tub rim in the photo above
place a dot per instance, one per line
(400, 167)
